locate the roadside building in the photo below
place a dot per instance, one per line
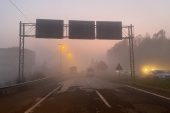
(9, 61)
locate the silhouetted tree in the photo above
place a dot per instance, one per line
(148, 50)
(101, 66)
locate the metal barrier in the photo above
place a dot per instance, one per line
(21, 86)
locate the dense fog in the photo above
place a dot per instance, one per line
(149, 51)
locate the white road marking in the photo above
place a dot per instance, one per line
(167, 98)
(30, 110)
(103, 99)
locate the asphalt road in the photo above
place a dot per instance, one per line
(92, 95)
(21, 100)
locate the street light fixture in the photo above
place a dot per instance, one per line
(69, 55)
(62, 48)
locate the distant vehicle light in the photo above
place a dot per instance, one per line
(153, 69)
(147, 70)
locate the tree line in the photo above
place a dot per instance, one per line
(148, 50)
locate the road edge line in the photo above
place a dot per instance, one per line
(103, 99)
(157, 95)
(39, 102)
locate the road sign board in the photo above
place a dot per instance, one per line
(119, 67)
(81, 29)
(46, 28)
(108, 30)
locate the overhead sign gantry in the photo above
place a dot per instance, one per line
(46, 28)
(76, 29)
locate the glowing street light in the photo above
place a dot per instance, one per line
(62, 49)
(69, 55)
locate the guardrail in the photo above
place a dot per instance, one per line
(21, 86)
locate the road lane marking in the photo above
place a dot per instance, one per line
(30, 110)
(167, 98)
(103, 99)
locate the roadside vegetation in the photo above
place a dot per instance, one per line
(152, 84)
(150, 51)
(151, 54)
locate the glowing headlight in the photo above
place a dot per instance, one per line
(148, 69)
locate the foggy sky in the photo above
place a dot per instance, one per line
(146, 15)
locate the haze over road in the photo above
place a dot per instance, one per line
(93, 95)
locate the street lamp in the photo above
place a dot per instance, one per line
(69, 56)
(62, 48)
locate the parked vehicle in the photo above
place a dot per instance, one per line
(90, 72)
(161, 74)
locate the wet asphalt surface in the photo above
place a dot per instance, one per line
(78, 97)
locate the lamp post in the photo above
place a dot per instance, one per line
(61, 49)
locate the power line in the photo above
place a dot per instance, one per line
(19, 10)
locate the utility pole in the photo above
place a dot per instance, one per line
(22, 35)
(21, 51)
(131, 51)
